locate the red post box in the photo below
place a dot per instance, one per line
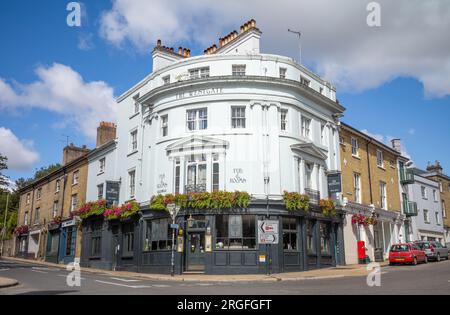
(361, 250)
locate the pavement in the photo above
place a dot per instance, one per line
(7, 282)
(38, 279)
(325, 273)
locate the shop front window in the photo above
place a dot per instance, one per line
(325, 238)
(128, 240)
(158, 235)
(310, 237)
(290, 234)
(70, 248)
(235, 232)
(96, 239)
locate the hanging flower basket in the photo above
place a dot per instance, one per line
(360, 219)
(296, 201)
(125, 211)
(328, 207)
(23, 229)
(90, 209)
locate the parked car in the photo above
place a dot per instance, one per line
(406, 253)
(434, 250)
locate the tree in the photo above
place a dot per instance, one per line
(3, 166)
(44, 171)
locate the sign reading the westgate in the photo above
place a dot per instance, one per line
(202, 92)
(112, 193)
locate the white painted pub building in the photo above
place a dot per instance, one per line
(232, 119)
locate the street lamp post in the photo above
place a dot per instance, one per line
(173, 211)
(4, 224)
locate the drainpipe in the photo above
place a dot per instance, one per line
(370, 173)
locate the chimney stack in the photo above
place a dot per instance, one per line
(436, 167)
(397, 145)
(106, 132)
(71, 153)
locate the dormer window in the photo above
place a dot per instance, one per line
(166, 80)
(136, 104)
(283, 73)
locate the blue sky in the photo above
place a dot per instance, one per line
(400, 96)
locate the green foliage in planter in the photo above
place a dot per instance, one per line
(129, 209)
(295, 201)
(204, 200)
(328, 207)
(91, 209)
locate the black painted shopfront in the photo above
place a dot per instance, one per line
(215, 242)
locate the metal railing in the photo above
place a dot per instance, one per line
(410, 208)
(195, 188)
(314, 195)
(406, 176)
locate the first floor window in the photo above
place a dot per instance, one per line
(39, 193)
(308, 175)
(423, 191)
(102, 164)
(58, 185)
(304, 81)
(100, 191)
(25, 218)
(158, 235)
(133, 137)
(55, 209)
(199, 73)
(290, 233)
(325, 239)
(383, 202)
(426, 216)
(132, 183)
(177, 176)
(73, 202)
(306, 125)
(238, 116)
(438, 219)
(128, 240)
(37, 214)
(357, 186)
(444, 212)
(310, 237)
(235, 232)
(215, 173)
(196, 173)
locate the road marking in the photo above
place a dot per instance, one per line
(125, 280)
(124, 285)
(4, 269)
(161, 286)
(38, 271)
(43, 269)
(65, 276)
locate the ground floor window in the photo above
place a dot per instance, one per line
(290, 233)
(235, 232)
(325, 238)
(158, 235)
(53, 242)
(96, 239)
(128, 240)
(310, 237)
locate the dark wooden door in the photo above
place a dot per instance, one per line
(196, 251)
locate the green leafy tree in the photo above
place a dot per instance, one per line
(44, 171)
(3, 166)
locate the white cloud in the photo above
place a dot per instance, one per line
(411, 42)
(62, 90)
(20, 153)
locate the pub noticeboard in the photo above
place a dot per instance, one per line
(334, 183)
(112, 193)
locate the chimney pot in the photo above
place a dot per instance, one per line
(180, 50)
(397, 145)
(158, 43)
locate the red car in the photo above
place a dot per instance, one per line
(406, 253)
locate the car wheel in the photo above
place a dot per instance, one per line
(438, 258)
(415, 261)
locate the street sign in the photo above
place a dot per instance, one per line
(267, 232)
